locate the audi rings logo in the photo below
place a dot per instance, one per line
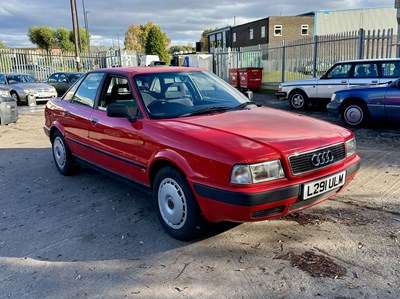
(322, 158)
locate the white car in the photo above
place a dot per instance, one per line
(341, 75)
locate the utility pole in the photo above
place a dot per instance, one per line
(75, 29)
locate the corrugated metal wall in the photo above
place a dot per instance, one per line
(337, 21)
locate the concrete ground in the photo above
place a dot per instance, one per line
(90, 236)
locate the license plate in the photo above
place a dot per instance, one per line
(43, 95)
(318, 187)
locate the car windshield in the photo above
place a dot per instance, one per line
(14, 79)
(74, 77)
(181, 94)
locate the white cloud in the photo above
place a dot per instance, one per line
(182, 20)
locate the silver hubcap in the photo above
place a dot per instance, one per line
(59, 152)
(353, 115)
(172, 203)
(298, 101)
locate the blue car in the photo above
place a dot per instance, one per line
(359, 107)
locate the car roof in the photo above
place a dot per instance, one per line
(15, 73)
(370, 60)
(147, 70)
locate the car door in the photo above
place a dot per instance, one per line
(335, 79)
(63, 84)
(116, 138)
(75, 114)
(364, 74)
(392, 102)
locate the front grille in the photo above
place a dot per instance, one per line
(301, 163)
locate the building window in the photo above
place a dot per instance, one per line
(263, 31)
(304, 29)
(234, 37)
(251, 33)
(278, 30)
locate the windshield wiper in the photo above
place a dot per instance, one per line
(244, 105)
(207, 111)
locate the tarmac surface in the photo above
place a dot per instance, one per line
(90, 236)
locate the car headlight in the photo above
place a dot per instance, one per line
(351, 147)
(257, 173)
(333, 97)
(30, 91)
(280, 87)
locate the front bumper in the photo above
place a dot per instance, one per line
(281, 94)
(333, 108)
(223, 205)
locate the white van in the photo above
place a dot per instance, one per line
(145, 60)
(342, 75)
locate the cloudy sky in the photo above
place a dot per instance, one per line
(182, 20)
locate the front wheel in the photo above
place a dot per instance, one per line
(177, 207)
(298, 100)
(355, 114)
(15, 96)
(62, 155)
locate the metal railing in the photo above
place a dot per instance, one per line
(42, 64)
(309, 57)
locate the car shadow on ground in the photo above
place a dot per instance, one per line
(88, 216)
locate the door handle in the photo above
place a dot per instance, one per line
(94, 121)
(374, 81)
(343, 81)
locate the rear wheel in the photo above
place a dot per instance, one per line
(298, 100)
(62, 155)
(177, 207)
(355, 114)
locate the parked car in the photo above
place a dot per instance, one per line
(359, 107)
(205, 151)
(40, 72)
(322, 66)
(341, 75)
(158, 63)
(25, 88)
(62, 81)
(8, 107)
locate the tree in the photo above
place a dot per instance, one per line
(64, 39)
(43, 37)
(2, 45)
(157, 43)
(136, 36)
(204, 38)
(177, 49)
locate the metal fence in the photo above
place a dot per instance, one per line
(41, 64)
(309, 57)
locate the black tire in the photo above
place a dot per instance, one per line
(14, 95)
(62, 156)
(355, 114)
(298, 100)
(176, 205)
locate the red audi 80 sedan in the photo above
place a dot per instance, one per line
(204, 150)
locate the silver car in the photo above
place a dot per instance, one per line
(26, 89)
(342, 75)
(8, 107)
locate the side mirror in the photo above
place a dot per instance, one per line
(249, 94)
(120, 110)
